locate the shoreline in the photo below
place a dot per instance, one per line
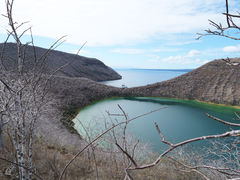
(185, 101)
(203, 85)
(160, 97)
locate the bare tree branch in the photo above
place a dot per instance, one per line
(224, 122)
(38, 176)
(100, 135)
(174, 146)
(126, 153)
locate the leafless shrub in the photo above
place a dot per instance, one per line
(23, 93)
(230, 30)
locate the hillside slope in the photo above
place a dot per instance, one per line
(80, 66)
(216, 81)
(69, 94)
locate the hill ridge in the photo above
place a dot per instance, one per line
(80, 66)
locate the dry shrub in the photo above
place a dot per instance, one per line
(49, 160)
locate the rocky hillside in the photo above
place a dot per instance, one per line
(216, 81)
(79, 66)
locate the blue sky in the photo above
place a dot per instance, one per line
(129, 33)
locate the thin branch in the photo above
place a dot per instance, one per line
(227, 13)
(4, 159)
(126, 153)
(174, 146)
(189, 167)
(124, 113)
(5, 84)
(222, 121)
(81, 47)
(163, 139)
(232, 15)
(100, 135)
(220, 30)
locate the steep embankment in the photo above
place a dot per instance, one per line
(79, 66)
(216, 81)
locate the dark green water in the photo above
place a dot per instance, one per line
(181, 119)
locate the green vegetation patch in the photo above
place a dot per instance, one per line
(193, 103)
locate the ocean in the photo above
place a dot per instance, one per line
(141, 77)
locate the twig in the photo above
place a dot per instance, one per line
(128, 155)
(174, 146)
(99, 136)
(163, 139)
(189, 167)
(222, 121)
(4, 159)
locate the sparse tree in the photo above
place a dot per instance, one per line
(23, 93)
(231, 28)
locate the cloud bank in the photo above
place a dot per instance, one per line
(112, 22)
(232, 49)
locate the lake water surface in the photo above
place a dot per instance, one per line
(181, 119)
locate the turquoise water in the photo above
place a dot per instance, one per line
(140, 77)
(180, 121)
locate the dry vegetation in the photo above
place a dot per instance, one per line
(49, 160)
(26, 156)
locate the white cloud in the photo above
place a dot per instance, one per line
(193, 53)
(112, 22)
(190, 58)
(184, 42)
(141, 51)
(164, 49)
(128, 51)
(232, 49)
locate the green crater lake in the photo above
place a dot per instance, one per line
(180, 121)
